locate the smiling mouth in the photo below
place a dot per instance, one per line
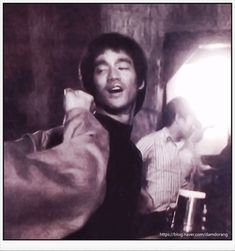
(115, 89)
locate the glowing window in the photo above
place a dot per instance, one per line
(205, 81)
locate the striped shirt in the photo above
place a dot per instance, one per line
(162, 170)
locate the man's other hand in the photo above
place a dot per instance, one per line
(78, 99)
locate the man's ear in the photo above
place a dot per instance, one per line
(141, 87)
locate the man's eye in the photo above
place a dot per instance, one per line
(123, 68)
(100, 70)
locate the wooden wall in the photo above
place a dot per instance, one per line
(42, 47)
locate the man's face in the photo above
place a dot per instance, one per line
(115, 82)
(186, 126)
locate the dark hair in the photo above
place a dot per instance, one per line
(116, 42)
(177, 105)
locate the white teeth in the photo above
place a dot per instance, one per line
(116, 88)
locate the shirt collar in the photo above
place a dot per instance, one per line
(115, 127)
(167, 135)
(169, 138)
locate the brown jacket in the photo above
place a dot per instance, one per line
(52, 186)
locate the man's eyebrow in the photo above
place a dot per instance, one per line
(126, 60)
(120, 60)
(100, 62)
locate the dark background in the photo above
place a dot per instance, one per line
(42, 45)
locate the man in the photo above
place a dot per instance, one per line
(113, 71)
(164, 170)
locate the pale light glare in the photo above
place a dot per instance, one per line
(213, 46)
(206, 84)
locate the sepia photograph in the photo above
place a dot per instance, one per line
(117, 125)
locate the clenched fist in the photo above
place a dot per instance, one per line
(78, 99)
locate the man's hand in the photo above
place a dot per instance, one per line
(78, 99)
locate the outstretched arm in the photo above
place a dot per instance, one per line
(49, 193)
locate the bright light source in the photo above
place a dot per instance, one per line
(206, 84)
(214, 46)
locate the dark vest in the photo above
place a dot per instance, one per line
(115, 219)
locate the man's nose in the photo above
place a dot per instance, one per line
(113, 73)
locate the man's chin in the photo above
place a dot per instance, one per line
(114, 110)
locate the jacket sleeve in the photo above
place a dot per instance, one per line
(51, 192)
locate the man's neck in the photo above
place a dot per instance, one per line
(123, 117)
(178, 142)
(173, 133)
